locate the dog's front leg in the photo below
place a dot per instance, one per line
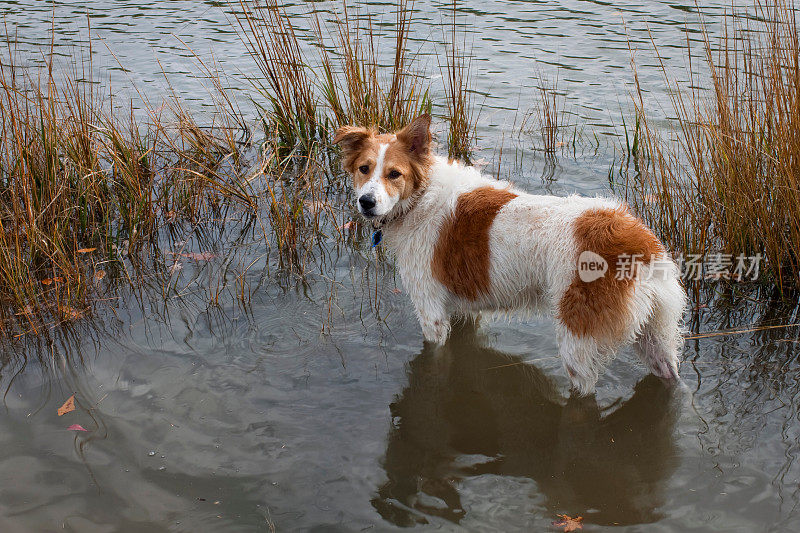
(435, 326)
(429, 303)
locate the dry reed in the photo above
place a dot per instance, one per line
(727, 181)
(87, 184)
(456, 73)
(548, 120)
(349, 85)
(83, 183)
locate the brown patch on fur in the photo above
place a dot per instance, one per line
(461, 256)
(408, 153)
(353, 140)
(599, 309)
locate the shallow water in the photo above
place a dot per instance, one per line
(308, 409)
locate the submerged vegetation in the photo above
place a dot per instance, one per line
(727, 179)
(89, 184)
(81, 179)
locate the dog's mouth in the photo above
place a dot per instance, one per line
(367, 213)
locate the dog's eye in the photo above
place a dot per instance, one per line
(394, 174)
(363, 169)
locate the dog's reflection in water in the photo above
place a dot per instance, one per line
(465, 399)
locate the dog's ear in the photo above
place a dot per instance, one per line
(417, 135)
(350, 137)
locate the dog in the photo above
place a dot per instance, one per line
(466, 243)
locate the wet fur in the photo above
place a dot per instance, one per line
(467, 243)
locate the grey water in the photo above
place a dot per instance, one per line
(316, 406)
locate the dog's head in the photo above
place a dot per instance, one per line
(386, 168)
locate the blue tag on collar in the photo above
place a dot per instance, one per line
(377, 237)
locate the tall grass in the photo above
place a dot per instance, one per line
(87, 183)
(548, 120)
(83, 181)
(456, 73)
(342, 80)
(356, 86)
(728, 179)
(352, 74)
(287, 84)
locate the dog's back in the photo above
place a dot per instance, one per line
(596, 268)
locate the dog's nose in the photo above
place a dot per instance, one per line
(366, 201)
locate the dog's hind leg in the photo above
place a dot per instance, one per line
(660, 340)
(581, 359)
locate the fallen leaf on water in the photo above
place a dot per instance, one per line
(50, 281)
(70, 313)
(100, 274)
(396, 290)
(27, 310)
(569, 523)
(76, 427)
(348, 225)
(202, 256)
(86, 250)
(68, 406)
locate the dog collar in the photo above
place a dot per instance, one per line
(377, 237)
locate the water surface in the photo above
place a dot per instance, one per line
(308, 409)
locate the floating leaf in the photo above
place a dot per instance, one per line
(27, 310)
(76, 427)
(396, 290)
(569, 523)
(70, 313)
(99, 274)
(86, 250)
(68, 406)
(50, 281)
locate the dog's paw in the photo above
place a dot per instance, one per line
(665, 369)
(583, 381)
(436, 331)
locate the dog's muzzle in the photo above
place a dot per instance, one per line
(366, 204)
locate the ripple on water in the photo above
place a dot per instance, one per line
(263, 415)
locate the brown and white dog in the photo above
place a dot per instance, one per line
(466, 243)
